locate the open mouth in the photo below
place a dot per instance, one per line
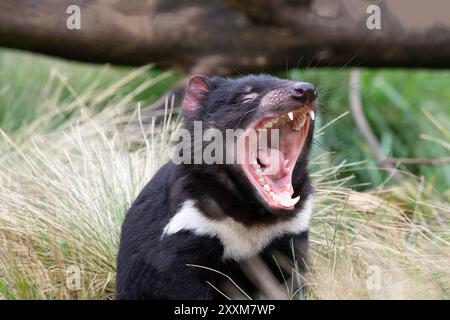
(269, 167)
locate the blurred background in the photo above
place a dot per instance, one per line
(89, 95)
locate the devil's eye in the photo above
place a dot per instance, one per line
(249, 97)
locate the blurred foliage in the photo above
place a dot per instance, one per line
(394, 101)
(24, 77)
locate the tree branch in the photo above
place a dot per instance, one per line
(363, 125)
(225, 36)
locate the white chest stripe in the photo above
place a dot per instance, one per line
(238, 240)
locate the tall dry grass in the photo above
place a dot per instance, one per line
(64, 193)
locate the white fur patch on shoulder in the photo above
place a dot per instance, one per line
(239, 241)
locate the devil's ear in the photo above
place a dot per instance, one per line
(197, 89)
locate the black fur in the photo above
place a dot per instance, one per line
(152, 267)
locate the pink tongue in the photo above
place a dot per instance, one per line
(273, 160)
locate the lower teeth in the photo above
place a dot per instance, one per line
(285, 199)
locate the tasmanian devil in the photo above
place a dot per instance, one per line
(196, 217)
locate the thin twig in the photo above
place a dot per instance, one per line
(427, 162)
(363, 125)
(218, 290)
(223, 274)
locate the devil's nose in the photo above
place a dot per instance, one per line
(304, 90)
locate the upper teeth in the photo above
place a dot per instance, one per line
(297, 120)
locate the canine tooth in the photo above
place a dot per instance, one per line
(273, 195)
(291, 115)
(286, 162)
(285, 200)
(258, 171)
(261, 181)
(312, 115)
(267, 187)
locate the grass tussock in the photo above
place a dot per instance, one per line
(64, 193)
